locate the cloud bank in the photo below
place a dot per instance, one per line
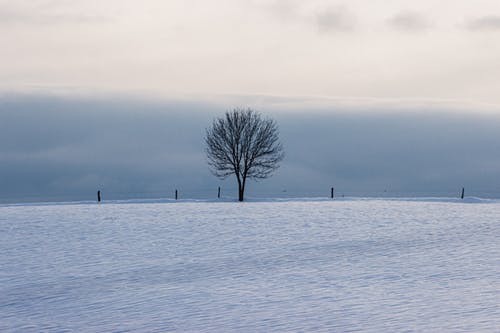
(66, 148)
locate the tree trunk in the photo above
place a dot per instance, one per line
(241, 188)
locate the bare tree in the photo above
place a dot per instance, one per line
(245, 144)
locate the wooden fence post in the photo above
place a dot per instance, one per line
(99, 196)
(176, 194)
(463, 193)
(331, 193)
(218, 193)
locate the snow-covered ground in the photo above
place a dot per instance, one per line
(333, 266)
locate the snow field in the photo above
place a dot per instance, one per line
(327, 266)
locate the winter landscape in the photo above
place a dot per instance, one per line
(343, 265)
(249, 166)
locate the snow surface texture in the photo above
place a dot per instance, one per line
(333, 266)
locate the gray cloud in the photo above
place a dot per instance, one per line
(46, 13)
(65, 149)
(490, 22)
(335, 19)
(409, 21)
(284, 10)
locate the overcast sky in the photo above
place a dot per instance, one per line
(371, 96)
(401, 49)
